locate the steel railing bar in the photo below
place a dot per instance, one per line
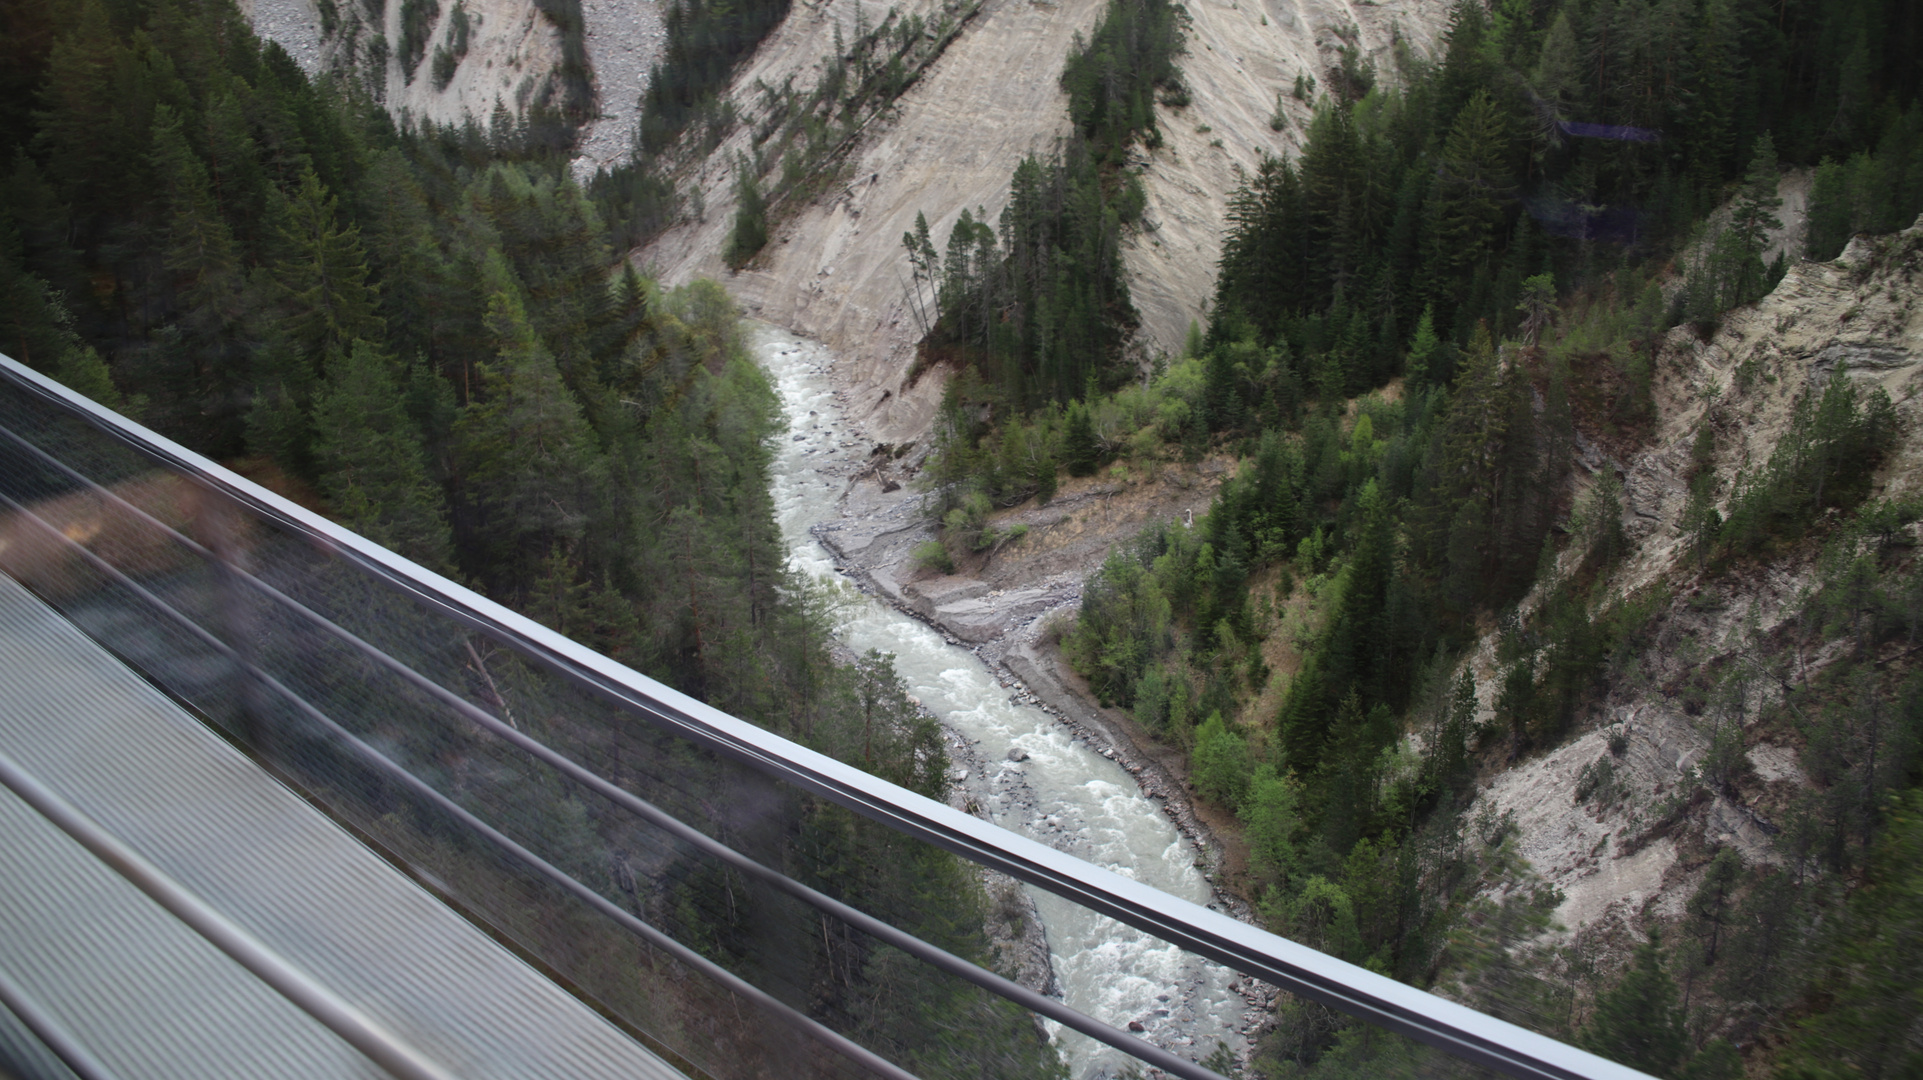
(883, 931)
(1452, 1028)
(51, 1032)
(808, 1025)
(355, 1027)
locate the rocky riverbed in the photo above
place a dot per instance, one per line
(1063, 777)
(1011, 630)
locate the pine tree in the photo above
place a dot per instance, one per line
(924, 271)
(1558, 75)
(92, 147)
(557, 598)
(208, 284)
(372, 469)
(1466, 206)
(750, 232)
(1718, 84)
(35, 326)
(1222, 404)
(525, 456)
(1079, 449)
(1752, 218)
(1467, 62)
(322, 279)
(1473, 445)
(1709, 908)
(1538, 307)
(1422, 350)
(628, 323)
(1638, 1022)
(235, 167)
(414, 278)
(199, 246)
(82, 369)
(1458, 721)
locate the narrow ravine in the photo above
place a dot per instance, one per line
(1062, 792)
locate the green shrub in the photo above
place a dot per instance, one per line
(750, 232)
(1826, 459)
(933, 555)
(1221, 763)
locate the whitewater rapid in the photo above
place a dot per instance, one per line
(1064, 794)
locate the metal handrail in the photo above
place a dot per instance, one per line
(908, 943)
(1455, 1029)
(51, 1032)
(359, 1030)
(734, 983)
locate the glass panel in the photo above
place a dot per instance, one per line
(390, 735)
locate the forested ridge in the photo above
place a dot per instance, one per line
(430, 335)
(1472, 265)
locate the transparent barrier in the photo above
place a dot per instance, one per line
(740, 905)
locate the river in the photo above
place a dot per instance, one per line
(1064, 794)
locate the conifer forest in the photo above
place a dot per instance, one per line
(1427, 329)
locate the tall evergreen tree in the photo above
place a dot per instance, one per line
(524, 455)
(1638, 1022)
(1465, 217)
(1752, 220)
(1080, 452)
(372, 468)
(322, 278)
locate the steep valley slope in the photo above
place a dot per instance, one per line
(509, 53)
(1615, 858)
(1620, 818)
(835, 269)
(1621, 858)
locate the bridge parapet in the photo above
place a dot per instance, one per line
(689, 874)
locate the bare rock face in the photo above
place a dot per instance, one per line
(1610, 818)
(512, 52)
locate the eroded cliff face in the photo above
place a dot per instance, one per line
(1626, 850)
(512, 51)
(836, 271)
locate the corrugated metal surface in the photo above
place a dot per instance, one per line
(152, 999)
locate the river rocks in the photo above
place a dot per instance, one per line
(1018, 754)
